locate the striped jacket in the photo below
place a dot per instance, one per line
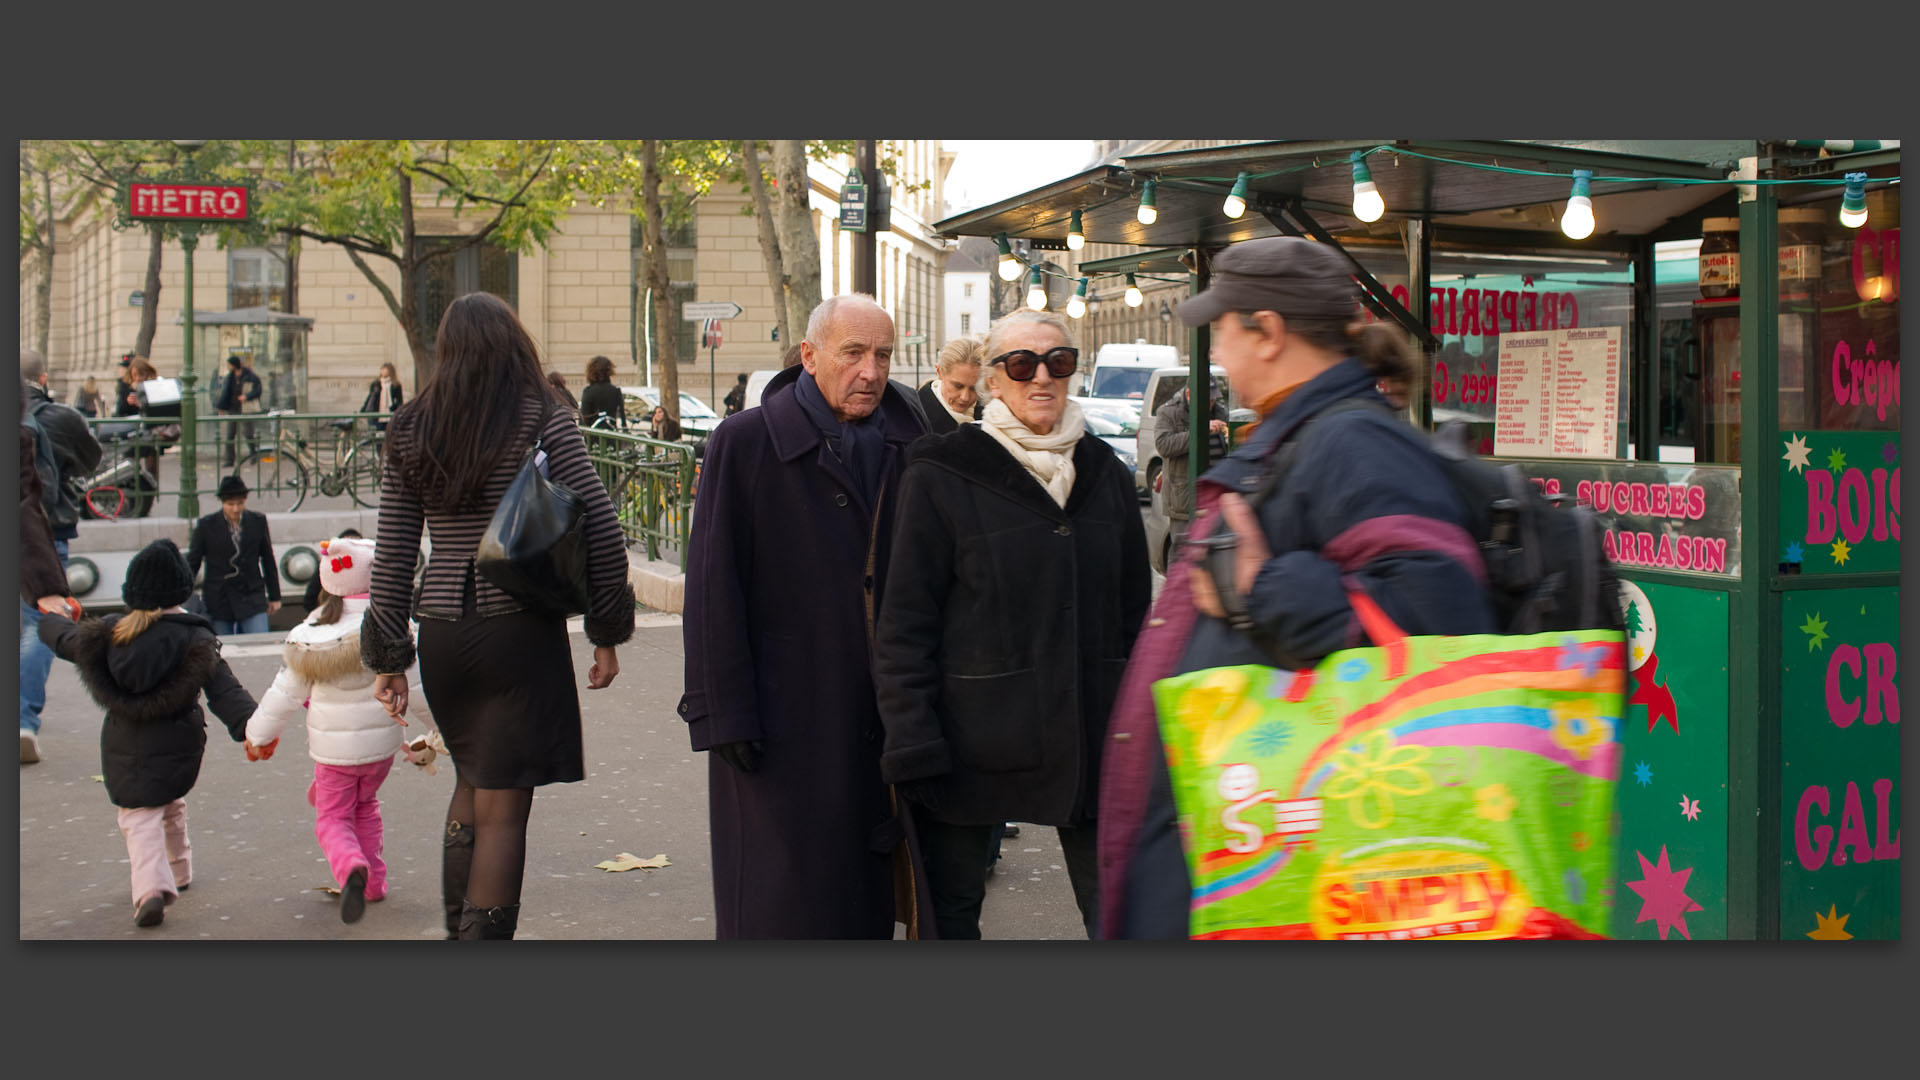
(386, 642)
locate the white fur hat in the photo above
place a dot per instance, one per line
(346, 565)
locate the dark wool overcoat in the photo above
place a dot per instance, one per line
(154, 734)
(1006, 629)
(786, 571)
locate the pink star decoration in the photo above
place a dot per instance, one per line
(1663, 896)
(1690, 807)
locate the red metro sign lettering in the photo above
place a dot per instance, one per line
(187, 202)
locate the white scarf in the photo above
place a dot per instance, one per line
(958, 416)
(1048, 457)
(386, 393)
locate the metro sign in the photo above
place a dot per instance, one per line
(187, 202)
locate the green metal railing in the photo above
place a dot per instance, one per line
(292, 461)
(287, 460)
(651, 484)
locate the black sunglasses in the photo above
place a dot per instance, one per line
(1023, 363)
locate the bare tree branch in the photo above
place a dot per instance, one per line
(351, 243)
(488, 230)
(386, 294)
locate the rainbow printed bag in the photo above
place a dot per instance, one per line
(1428, 787)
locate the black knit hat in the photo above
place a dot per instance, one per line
(157, 578)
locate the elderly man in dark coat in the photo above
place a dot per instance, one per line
(791, 541)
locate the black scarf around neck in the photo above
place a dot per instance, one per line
(860, 446)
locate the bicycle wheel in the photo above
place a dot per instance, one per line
(277, 480)
(363, 478)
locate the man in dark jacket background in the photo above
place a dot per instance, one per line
(242, 586)
(1171, 435)
(62, 449)
(237, 388)
(790, 550)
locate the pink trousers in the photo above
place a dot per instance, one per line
(346, 799)
(157, 849)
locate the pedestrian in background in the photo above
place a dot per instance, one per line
(500, 675)
(663, 427)
(125, 403)
(43, 577)
(384, 396)
(242, 587)
(238, 389)
(737, 397)
(952, 396)
(350, 736)
(1374, 512)
(1171, 439)
(789, 559)
(1002, 641)
(148, 669)
(87, 399)
(59, 449)
(600, 400)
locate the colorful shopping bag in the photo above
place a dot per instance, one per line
(1430, 787)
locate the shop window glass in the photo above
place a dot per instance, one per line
(257, 277)
(1840, 319)
(445, 276)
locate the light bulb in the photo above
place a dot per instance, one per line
(1853, 204)
(1076, 236)
(1077, 306)
(1036, 292)
(1009, 266)
(1236, 203)
(1133, 292)
(1148, 215)
(1367, 203)
(1577, 220)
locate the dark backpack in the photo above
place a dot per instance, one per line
(1546, 568)
(75, 450)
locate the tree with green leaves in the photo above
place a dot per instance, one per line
(364, 195)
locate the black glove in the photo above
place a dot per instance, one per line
(923, 793)
(743, 755)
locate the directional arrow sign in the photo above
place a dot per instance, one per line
(914, 339)
(711, 309)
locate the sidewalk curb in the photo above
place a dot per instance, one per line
(657, 584)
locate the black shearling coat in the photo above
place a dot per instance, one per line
(155, 732)
(1005, 630)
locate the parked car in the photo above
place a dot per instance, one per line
(697, 420)
(1161, 385)
(1117, 435)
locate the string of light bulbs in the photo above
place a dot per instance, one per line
(1576, 221)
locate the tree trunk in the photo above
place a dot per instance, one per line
(43, 290)
(150, 298)
(666, 341)
(410, 266)
(769, 243)
(293, 275)
(793, 223)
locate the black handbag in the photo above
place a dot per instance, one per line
(535, 548)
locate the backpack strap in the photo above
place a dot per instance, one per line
(1219, 557)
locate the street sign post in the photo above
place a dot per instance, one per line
(701, 311)
(918, 337)
(853, 204)
(182, 203)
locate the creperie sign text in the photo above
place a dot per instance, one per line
(190, 202)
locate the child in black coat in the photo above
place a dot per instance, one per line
(148, 668)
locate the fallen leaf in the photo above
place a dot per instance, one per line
(629, 861)
(98, 779)
(328, 889)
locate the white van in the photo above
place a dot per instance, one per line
(1121, 370)
(756, 385)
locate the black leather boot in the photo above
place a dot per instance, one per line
(456, 865)
(488, 924)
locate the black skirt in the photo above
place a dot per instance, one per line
(503, 696)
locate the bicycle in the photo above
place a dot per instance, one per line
(288, 467)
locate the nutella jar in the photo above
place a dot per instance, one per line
(1720, 258)
(1801, 234)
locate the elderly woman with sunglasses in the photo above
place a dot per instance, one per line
(1002, 639)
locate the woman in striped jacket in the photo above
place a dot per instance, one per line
(499, 676)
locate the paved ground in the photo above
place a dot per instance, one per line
(259, 873)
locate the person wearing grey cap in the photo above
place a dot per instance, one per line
(1362, 505)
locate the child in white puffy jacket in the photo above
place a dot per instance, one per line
(350, 736)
